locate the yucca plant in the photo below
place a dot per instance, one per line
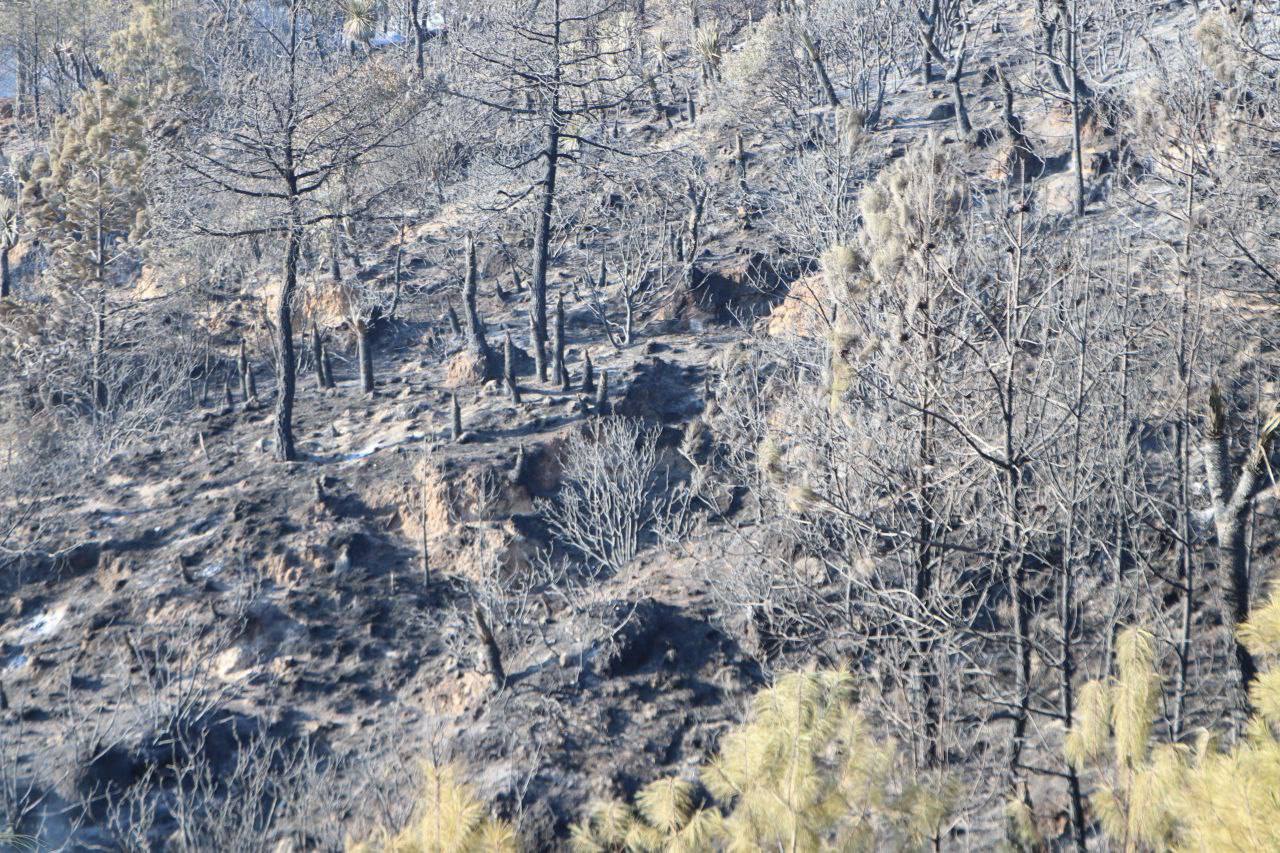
(8, 239)
(17, 841)
(359, 21)
(707, 42)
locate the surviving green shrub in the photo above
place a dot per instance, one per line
(805, 772)
(448, 818)
(1176, 796)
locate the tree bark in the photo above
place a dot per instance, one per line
(365, 354)
(542, 233)
(1231, 505)
(286, 377)
(492, 655)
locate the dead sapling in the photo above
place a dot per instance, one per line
(588, 375)
(455, 422)
(509, 368)
(560, 376)
(602, 394)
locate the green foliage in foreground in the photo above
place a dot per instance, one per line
(1159, 796)
(805, 772)
(448, 818)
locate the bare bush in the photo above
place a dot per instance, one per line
(612, 495)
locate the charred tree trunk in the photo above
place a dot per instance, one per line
(930, 22)
(1025, 163)
(814, 52)
(419, 36)
(560, 376)
(539, 351)
(242, 367)
(509, 368)
(475, 326)
(546, 204)
(602, 394)
(99, 351)
(963, 126)
(323, 377)
(1232, 502)
(364, 352)
(588, 374)
(252, 383)
(286, 377)
(491, 655)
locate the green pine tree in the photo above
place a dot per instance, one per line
(806, 772)
(448, 818)
(85, 203)
(1160, 796)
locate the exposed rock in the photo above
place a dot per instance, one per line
(804, 312)
(941, 111)
(628, 635)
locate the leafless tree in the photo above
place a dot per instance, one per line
(286, 123)
(543, 67)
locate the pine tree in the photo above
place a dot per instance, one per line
(1178, 796)
(84, 201)
(147, 62)
(448, 818)
(805, 772)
